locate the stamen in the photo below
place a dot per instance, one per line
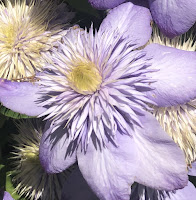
(85, 78)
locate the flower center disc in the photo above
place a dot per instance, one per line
(85, 78)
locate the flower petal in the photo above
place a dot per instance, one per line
(21, 97)
(55, 151)
(6, 196)
(192, 170)
(130, 21)
(173, 17)
(175, 75)
(161, 162)
(140, 192)
(105, 4)
(109, 171)
(186, 193)
(76, 188)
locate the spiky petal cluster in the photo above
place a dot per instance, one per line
(117, 99)
(24, 37)
(178, 121)
(31, 179)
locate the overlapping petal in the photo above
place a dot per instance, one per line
(173, 17)
(111, 170)
(22, 97)
(55, 151)
(105, 4)
(175, 75)
(131, 21)
(161, 162)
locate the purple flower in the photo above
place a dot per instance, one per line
(140, 192)
(95, 91)
(173, 17)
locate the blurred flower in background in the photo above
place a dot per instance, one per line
(32, 182)
(26, 35)
(172, 17)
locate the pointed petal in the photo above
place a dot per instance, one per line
(76, 188)
(55, 153)
(129, 21)
(109, 171)
(162, 163)
(192, 170)
(173, 17)
(176, 75)
(21, 97)
(140, 192)
(105, 4)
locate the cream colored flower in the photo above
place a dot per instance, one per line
(25, 36)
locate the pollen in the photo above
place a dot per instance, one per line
(24, 38)
(85, 78)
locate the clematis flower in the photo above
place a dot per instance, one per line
(140, 192)
(173, 17)
(26, 35)
(96, 94)
(178, 121)
(30, 178)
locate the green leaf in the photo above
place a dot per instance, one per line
(9, 113)
(10, 187)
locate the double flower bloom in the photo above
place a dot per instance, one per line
(96, 90)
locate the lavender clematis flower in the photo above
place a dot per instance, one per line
(173, 17)
(96, 90)
(140, 192)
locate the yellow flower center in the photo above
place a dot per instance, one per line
(85, 78)
(31, 154)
